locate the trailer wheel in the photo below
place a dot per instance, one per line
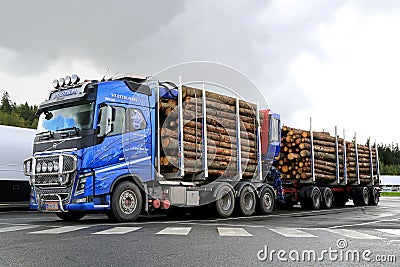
(126, 202)
(225, 201)
(327, 198)
(71, 216)
(266, 202)
(361, 196)
(313, 200)
(373, 196)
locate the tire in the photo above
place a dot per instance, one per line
(266, 202)
(313, 201)
(71, 216)
(225, 201)
(373, 196)
(326, 198)
(126, 202)
(247, 201)
(361, 196)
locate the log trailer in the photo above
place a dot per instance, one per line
(129, 145)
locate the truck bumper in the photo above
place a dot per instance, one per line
(78, 207)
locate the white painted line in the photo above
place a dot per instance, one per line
(17, 228)
(224, 231)
(175, 231)
(390, 231)
(117, 231)
(60, 230)
(352, 234)
(291, 232)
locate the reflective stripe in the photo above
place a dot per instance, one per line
(123, 164)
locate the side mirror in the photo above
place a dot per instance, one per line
(105, 121)
(109, 115)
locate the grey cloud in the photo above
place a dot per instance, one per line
(145, 37)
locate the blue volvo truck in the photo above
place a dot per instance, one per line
(100, 147)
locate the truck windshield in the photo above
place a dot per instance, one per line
(72, 117)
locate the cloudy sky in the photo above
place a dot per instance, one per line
(335, 61)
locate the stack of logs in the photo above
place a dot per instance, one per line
(294, 161)
(221, 132)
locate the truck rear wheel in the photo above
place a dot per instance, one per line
(126, 202)
(225, 201)
(247, 201)
(266, 202)
(361, 196)
(327, 198)
(71, 216)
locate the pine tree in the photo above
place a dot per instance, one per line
(6, 104)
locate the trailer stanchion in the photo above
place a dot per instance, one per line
(378, 171)
(259, 156)
(357, 161)
(344, 159)
(371, 162)
(204, 132)
(238, 143)
(180, 124)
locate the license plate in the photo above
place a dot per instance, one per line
(51, 206)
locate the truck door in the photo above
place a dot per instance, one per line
(137, 142)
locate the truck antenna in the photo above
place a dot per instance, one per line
(103, 79)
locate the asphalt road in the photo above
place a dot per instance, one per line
(352, 236)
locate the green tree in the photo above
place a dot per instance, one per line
(6, 104)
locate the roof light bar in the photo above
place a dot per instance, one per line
(67, 80)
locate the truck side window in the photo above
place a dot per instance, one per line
(118, 120)
(135, 120)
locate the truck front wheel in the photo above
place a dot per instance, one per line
(126, 202)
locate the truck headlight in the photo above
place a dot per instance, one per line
(38, 167)
(44, 166)
(50, 166)
(55, 166)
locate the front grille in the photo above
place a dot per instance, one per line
(52, 194)
(51, 170)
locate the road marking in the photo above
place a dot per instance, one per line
(352, 234)
(117, 231)
(224, 231)
(390, 231)
(291, 232)
(60, 230)
(16, 228)
(175, 231)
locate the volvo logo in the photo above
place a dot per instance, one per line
(54, 145)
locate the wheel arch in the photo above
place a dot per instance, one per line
(135, 180)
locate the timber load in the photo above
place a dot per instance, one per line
(333, 159)
(222, 141)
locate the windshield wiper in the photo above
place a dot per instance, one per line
(71, 131)
(45, 135)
